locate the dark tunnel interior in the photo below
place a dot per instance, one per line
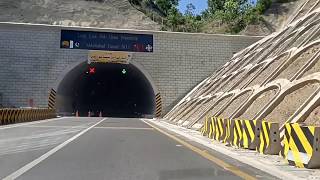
(115, 90)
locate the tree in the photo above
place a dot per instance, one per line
(174, 19)
(227, 15)
(190, 10)
(232, 15)
(263, 5)
(215, 5)
(192, 24)
(166, 5)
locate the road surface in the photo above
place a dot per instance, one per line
(111, 149)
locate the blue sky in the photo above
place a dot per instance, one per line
(199, 4)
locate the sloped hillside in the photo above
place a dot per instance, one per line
(93, 13)
(276, 79)
(280, 15)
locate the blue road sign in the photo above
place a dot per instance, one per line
(107, 41)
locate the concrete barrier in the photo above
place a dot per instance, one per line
(216, 128)
(212, 130)
(221, 129)
(10, 116)
(236, 131)
(285, 141)
(250, 134)
(228, 131)
(205, 128)
(269, 138)
(302, 146)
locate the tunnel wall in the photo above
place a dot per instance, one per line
(32, 61)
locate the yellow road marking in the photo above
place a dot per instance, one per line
(206, 155)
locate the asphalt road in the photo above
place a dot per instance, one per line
(110, 149)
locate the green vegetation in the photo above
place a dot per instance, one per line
(222, 16)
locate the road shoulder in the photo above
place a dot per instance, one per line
(252, 159)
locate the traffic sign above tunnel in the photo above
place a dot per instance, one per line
(107, 41)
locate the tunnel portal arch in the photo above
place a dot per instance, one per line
(109, 90)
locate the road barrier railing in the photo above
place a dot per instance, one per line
(301, 145)
(11, 116)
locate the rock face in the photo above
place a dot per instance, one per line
(88, 13)
(276, 79)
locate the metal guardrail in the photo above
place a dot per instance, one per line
(11, 116)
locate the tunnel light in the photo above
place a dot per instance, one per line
(124, 71)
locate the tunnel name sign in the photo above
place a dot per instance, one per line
(109, 57)
(106, 41)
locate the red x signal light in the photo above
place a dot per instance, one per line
(92, 70)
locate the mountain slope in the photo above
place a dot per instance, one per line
(280, 15)
(276, 79)
(98, 13)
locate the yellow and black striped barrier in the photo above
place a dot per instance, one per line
(304, 146)
(269, 138)
(285, 141)
(300, 144)
(228, 131)
(236, 131)
(206, 127)
(158, 105)
(10, 116)
(250, 134)
(231, 131)
(211, 127)
(220, 129)
(52, 99)
(216, 128)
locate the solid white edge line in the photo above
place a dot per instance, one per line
(33, 163)
(249, 161)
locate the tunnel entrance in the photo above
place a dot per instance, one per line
(115, 90)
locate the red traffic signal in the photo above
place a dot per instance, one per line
(92, 70)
